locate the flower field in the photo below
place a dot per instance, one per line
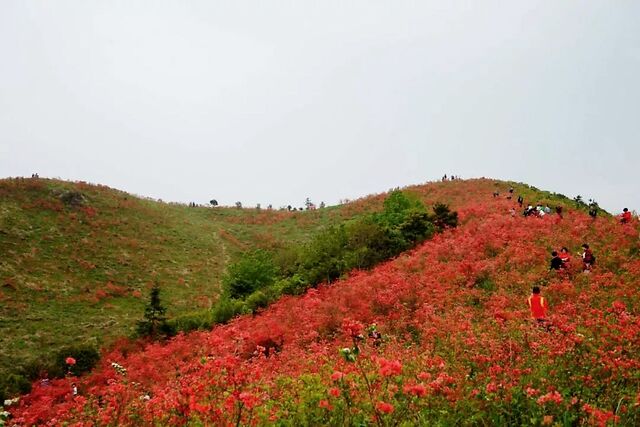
(441, 335)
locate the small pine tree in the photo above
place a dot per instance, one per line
(154, 324)
(443, 217)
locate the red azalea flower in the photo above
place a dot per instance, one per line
(335, 392)
(385, 407)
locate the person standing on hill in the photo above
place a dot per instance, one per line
(565, 257)
(556, 261)
(559, 211)
(520, 201)
(588, 259)
(538, 305)
(510, 193)
(625, 218)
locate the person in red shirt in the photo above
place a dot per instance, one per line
(625, 218)
(565, 257)
(538, 305)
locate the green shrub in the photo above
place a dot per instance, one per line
(294, 285)
(417, 226)
(323, 259)
(257, 300)
(86, 357)
(255, 270)
(443, 217)
(396, 207)
(196, 320)
(287, 260)
(370, 242)
(13, 385)
(36, 368)
(226, 309)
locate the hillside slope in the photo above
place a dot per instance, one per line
(458, 346)
(78, 259)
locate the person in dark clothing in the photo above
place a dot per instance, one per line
(530, 211)
(559, 211)
(556, 261)
(520, 201)
(588, 259)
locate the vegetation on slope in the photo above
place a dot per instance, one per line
(457, 346)
(78, 261)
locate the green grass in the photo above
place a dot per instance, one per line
(81, 274)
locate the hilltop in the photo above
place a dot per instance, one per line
(457, 345)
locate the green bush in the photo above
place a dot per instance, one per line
(397, 205)
(257, 300)
(36, 368)
(294, 285)
(13, 385)
(287, 260)
(196, 320)
(443, 217)
(86, 357)
(323, 259)
(369, 243)
(417, 226)
(227, 308)
(255, 270)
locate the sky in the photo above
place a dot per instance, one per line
(274, 101)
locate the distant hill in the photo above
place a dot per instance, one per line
(457, 344)
(78, 259)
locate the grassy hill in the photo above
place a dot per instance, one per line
(78, 259)
(457, 348)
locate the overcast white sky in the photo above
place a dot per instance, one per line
(271, 102)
